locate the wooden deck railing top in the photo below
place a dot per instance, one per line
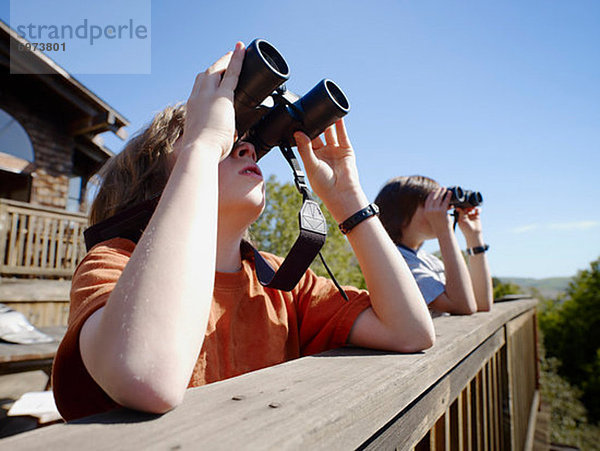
(461, 391)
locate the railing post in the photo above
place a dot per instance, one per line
(3, 233)
(521, 380)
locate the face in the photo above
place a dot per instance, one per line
(419, 222)
(241, 184)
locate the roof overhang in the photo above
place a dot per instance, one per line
(97, 117)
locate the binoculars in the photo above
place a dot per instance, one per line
(464, 198)
(267, 114)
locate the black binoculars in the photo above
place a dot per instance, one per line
(464, 198)
(267, 114)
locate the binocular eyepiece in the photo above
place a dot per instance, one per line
(267, 114)
(464, 198)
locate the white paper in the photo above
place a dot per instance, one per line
(38, 404)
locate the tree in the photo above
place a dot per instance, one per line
(572, 334)
(277, 229)
(502, 289)
(568, 416)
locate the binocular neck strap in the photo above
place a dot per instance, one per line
(131, 223)
(313, 232)
(455, 216)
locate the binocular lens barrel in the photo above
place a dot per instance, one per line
(464, 198)
(263, 70)
(322, 106)
(269, 124)
(312, 114)
(458, 195)
(474, 198)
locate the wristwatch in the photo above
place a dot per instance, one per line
(358, 217)
(478, 249)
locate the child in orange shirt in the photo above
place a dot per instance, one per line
(183, 307)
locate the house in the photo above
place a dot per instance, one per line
(50, 146)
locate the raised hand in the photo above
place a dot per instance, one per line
(331, 170)
(469, 222)
(436, 208)
(210, 116)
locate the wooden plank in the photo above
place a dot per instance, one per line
(335, 400)
(519, 322)
(36, 271)
(31, 224)
(75, 248)
(532, 422)
(45, 235)
(413, 423)
(60, 246)
(20, 242)
(12, 354)
(490, 403)
(478, 409)
(506, 399)
(12, 256)
(446, 430)
(467, 424)
(520, 336)
(37, 232)
(4, 221)
(42, 209)
(52, 243)
(494, 404)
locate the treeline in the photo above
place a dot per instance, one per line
(570, 326)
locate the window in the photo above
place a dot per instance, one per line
(74, 194)
(14, 139)
(16, 156)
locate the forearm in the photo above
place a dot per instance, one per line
(458, 281)
(480, 275)
(152, 327)
(395, 297)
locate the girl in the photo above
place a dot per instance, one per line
(183, 307)
(415, 209)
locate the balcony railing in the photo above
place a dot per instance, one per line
(476, 389)
(40, 241)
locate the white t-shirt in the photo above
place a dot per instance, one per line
(428, 271)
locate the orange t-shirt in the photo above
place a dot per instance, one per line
(249, 327)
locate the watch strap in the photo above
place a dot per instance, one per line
(478, 249)
(358, 217)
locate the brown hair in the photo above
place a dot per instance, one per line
(398, 200)
(141, 170)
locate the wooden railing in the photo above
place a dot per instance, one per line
(476, 389)
(38, 240)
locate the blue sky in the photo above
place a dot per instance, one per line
(502, 97)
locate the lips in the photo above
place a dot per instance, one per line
(251, 169)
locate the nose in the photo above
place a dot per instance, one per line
(245, 149)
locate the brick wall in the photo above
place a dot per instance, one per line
(52, 148)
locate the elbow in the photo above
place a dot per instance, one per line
(465, 307)
(418, 342)
(467, 310)
(485, 308)
(149, 393)
(150, 398)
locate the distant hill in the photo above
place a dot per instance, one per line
(549, 287)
